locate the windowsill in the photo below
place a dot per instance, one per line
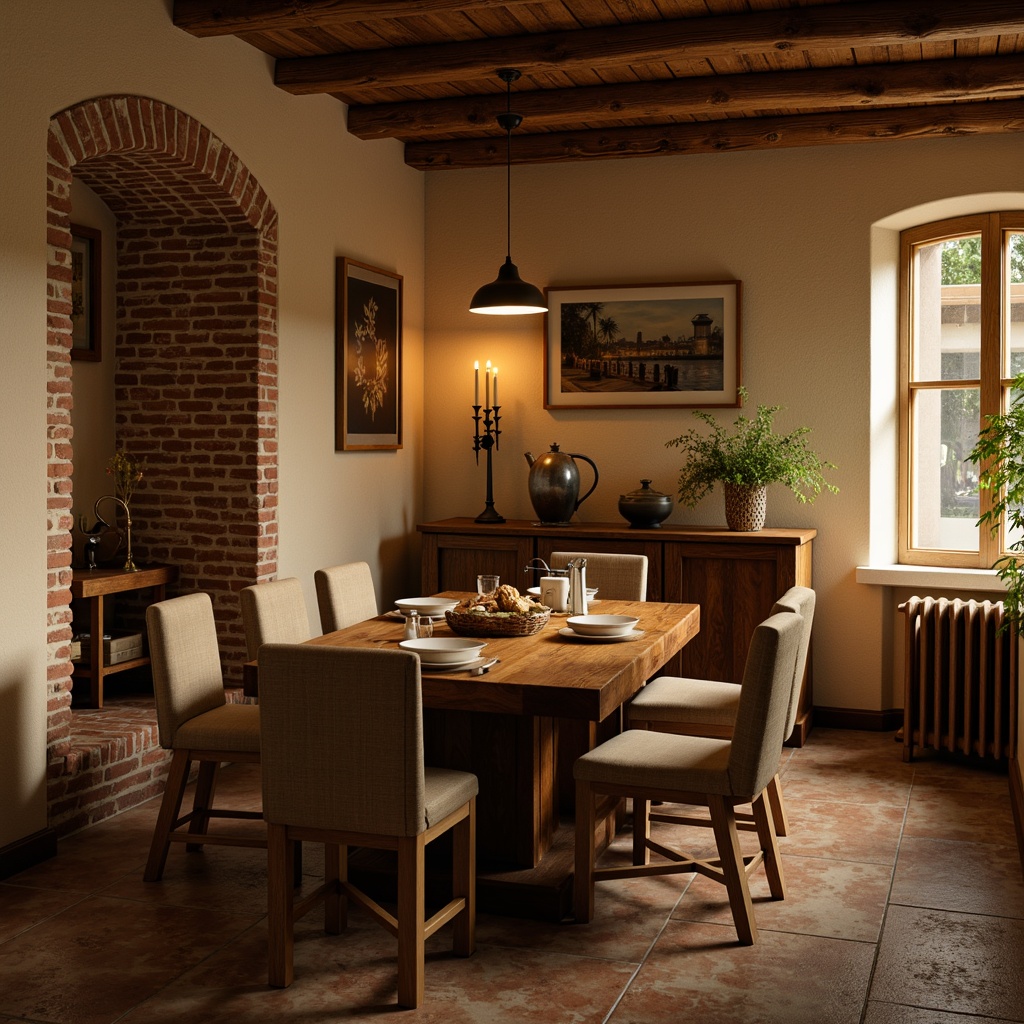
(930, 576)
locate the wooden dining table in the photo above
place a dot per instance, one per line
(505, 727)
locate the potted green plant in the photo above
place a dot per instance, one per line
(745, 461)
(1000, 454)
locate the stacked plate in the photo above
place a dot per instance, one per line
(445, 653)
(432, 607)
(601, 628)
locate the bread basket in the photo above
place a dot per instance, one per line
(466, 623)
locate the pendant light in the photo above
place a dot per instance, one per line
(508, 294)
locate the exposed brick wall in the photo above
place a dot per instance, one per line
(196, 383)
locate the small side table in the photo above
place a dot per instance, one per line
(93, 585)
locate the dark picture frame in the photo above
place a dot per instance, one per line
(86, 319)
(368, 357)
(642, 346)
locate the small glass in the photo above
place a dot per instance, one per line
(425, 627)
(487, 584)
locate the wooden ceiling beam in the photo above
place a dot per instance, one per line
(882, 125)
(234, 17)
(880, 85)
(837, 26)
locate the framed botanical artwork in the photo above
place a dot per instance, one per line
(656, 346)
(85, 293)
(368, 358)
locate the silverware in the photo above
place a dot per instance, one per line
(481, 669)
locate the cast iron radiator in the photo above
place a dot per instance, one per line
(960, 678)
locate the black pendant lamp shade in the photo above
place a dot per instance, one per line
(508, 294)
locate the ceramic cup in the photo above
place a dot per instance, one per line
(554, 592)
(487, 584)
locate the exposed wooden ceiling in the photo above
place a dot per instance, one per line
(616, 78)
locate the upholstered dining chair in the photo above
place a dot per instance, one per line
(342, 740)
(195, 722)
(716, 773)
(344, 595)
(273, 613)
(705, 707)
(617, 577)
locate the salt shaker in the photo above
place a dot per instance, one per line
(412, 626)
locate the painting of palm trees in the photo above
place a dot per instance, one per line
(653, 346)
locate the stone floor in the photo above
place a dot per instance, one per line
(905, 906)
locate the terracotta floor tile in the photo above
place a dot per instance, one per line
(893, 1013)
(100, 957)
(843, 831)
(965, 963)
(833, 899)
(942, 874)
(698, 973)
(863, 784)
(22, 907)
(944, 812)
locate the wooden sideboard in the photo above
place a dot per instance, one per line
(734, 577)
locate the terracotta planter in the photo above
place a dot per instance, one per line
(745, 507)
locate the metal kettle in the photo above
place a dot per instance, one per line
(555, 485)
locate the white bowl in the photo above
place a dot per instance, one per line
(602, 625)
(435, 607)
(444, 650)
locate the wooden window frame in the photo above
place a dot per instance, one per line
(993, 383)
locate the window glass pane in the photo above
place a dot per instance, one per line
(945, 484)
(1015, 320)
(946, 343)
(1010, 536)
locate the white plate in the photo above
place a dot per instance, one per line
(453, 666)
(573, 635)
(444, 650)
(602, 625)
(432, 606)
(396, 616)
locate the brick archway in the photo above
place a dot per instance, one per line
(195, 385)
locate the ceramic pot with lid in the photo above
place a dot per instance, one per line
(645, 508)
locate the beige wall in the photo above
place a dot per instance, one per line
(818, 323)
(334, 196)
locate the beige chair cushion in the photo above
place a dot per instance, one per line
(273, 613)
(678, 699)
(231, 727)
(187, 679)
(617, 577)
(344, 595)
(342, 742)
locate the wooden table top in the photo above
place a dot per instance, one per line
(544, 674)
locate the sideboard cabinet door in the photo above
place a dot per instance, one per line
(452, 561)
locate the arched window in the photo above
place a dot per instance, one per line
(961, 343)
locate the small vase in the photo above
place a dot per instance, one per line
(745, 507)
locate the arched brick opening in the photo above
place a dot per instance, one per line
(195, 388)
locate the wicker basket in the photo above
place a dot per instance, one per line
(475, 624)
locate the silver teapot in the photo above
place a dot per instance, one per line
(555, 485)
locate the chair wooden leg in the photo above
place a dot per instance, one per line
(778, 808)
(641, 829)
(723, 821)
(464, 881)
(280, 907)
(335, 901)
(583, 880)
(206, 787)
(411, 916)
(170, 807)
(764, 819)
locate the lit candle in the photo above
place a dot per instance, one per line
(487, 385)
(495, 387)
(476, 382)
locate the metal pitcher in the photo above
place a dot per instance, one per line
(555, 485)
(577, 586)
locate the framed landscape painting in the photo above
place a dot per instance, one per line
(656, 346)
(368, 358)
(85, 293)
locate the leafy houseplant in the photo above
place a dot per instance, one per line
(1000, 453)
(746, 460)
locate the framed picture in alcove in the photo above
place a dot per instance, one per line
(368, 358)
(85, 293)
